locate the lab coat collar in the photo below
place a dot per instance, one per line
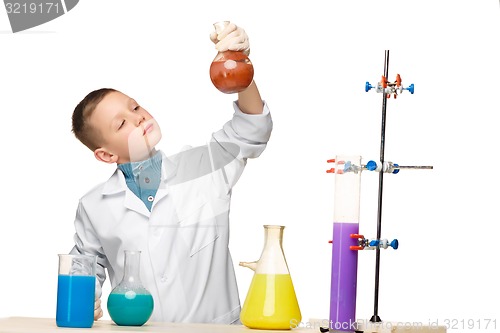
(168, 167)
(116, 184)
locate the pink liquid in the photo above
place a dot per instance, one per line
(344, 277)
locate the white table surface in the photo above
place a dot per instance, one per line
(45, 325)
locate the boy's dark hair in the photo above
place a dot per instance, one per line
(88, 135)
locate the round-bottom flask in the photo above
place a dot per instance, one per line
(130, 304)
(230, 71)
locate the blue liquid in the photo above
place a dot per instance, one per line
(130, 309)
(75, 301)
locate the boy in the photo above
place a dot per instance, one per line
(173, 209)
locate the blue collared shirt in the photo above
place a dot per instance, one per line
(143, 178)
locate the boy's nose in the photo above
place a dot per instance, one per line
(138, 119)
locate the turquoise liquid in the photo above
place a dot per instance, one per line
(75, 301)
(130, 309)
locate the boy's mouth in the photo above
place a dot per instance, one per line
(148, 128)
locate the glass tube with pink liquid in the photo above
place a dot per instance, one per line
(344, 260)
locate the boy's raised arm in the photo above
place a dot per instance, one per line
(249, 100)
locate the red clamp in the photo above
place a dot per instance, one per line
(356, 248)
(332, 170)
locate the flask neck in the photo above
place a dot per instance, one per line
(132, 266)
(272, 260)
(273, 236)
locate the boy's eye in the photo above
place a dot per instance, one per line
(121, 125)
(136, 108)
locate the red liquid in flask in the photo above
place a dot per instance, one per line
(231, 72)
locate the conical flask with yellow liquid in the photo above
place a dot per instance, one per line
(271, 302)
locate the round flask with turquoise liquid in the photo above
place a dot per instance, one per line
(130, 303)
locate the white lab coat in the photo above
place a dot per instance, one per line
(185, 260)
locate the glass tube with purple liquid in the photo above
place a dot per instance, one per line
(344, 260)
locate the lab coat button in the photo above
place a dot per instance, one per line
(163, 279)
(147, 180)
(151, 198)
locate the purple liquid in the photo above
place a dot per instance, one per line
(344, 277)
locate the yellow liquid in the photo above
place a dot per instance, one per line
(271, 303)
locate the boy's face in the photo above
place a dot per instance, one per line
(129, 132)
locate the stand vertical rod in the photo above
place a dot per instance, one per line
(375, 318)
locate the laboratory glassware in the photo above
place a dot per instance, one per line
(130, 303)
(271, 302)
(230, 71)
(344, 256)
(76, 290)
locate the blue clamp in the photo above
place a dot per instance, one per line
(368, 86)
(411, 88)
(374, 243)
(396, 170)
(394, 244)
(371, 166)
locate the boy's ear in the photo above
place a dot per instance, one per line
(101, 154)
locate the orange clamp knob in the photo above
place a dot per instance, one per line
(332, 170)
(357, 236)
(356, 248)
(398, 80)
(383, 82)
(330, 161)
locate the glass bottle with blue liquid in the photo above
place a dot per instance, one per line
(130, 303)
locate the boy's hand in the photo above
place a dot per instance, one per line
(232, 38)
(97, 309)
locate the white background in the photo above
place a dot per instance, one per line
(311, 61)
